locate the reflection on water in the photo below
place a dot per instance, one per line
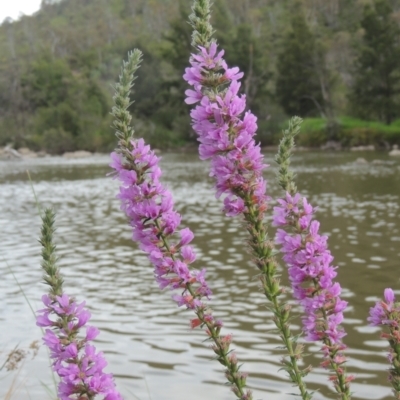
(147, 340)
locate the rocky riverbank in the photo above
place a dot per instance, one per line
(8, 153)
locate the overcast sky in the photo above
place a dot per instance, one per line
(12, 8)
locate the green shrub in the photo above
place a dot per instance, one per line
(314, 132)
(57, 141)
(65, 104)
(349, 132)
(357, 132)
(360, 136)
(163, 138)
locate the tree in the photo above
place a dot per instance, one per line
(300, 67)
(69, 111)
(248, 48)
(377, 73)
(172, 112)
(247, 52)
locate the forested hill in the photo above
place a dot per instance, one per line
(311, 58)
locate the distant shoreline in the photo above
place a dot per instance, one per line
(8, 153)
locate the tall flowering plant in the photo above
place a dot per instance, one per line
(310, 268)
(226, 135)
(149, 207)
(74, 359)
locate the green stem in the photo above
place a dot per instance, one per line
(394, 372)
(262, 251)
(222, 353)
(342, 388)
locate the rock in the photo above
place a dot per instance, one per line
(362, 148)
(11, 153)
(77, 154)
(27, 153)
(331, 145)
(395, 151)
(23, 151)
(378, 162)
(361, 160)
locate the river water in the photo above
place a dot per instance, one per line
(147, 340)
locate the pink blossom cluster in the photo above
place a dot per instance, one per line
(150, 209)
(224, 133)
(310, 271)
(386, 312)
(76, 361)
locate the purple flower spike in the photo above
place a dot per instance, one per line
(311, 274)
(310, 270)
(225, 135)
(155, 226)
(77, 363)
(387, 313)
(149, 206)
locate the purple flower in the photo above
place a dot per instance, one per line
(233, 74)
(385, 312)
(208, 58)
(77, 363)
(193, 96)
(389, 296)
(193, 76)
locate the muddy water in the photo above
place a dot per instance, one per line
(147, 341)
